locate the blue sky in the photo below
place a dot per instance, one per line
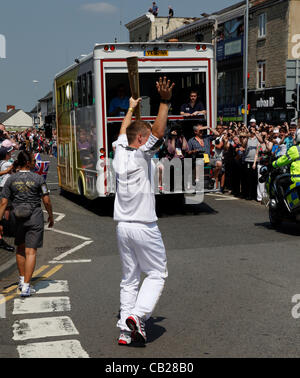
(43, 37)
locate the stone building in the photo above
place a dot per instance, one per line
(272, 27)
(148, 28)
(274, 39)
(224, 27)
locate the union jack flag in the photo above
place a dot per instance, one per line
(37, 156)
(41, 168)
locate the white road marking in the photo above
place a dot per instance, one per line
(70, 251)
(71, 261)
(67, 233)
(35, 305)
(226, 199)
(221, 197)
(43, 327)
(51, 286)
(53, 349)
(59, 218)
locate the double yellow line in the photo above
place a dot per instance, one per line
(35, 274)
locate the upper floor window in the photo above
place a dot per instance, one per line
(261, 74)
(262, 25)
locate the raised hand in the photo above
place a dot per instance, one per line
(134, 103)
(164, 88)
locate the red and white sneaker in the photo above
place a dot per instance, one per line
(125, 338)
(137, 325)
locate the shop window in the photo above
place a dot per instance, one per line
(261, 74)
(262, 25)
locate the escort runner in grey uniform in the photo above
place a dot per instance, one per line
(25, 189)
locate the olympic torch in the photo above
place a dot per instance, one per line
(133, 75)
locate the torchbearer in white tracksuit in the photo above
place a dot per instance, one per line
(139, 239)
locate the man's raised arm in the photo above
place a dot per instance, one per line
(128, 118)
(165, 91)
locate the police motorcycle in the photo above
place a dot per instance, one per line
(282, 198)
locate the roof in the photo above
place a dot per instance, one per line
(150, 18)
(48, 96)
(5, 116)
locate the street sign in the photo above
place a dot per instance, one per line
(292, 78)
(295, 98)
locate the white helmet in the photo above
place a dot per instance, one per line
(297, 138)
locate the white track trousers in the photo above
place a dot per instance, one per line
(141, 250)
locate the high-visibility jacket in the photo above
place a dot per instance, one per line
(292, 157)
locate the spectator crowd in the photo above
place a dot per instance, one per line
(31, 140)
(234, 152)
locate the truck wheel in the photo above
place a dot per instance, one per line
(80, 187)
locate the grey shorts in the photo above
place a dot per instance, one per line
(30, 231)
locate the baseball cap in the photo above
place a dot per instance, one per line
(252, 120)
(293, 123)
(275, 131)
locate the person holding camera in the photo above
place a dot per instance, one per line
(177, 145)
(25, 189)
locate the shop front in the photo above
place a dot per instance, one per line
(268, 105)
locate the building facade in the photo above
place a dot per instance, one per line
(148, 27)
(272, 26)
(47, 111)
(224, 28)
(274, 42)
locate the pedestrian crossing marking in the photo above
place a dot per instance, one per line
(43, 327)
(53, 349)
(51, 286)
(33, 305)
